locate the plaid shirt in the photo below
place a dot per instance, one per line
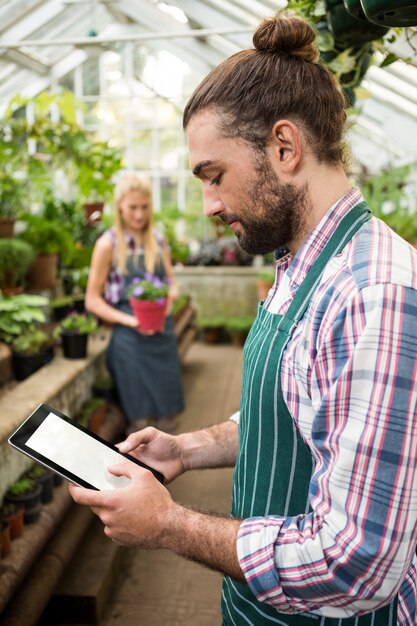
(348, 378)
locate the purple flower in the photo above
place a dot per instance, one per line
(138, 291)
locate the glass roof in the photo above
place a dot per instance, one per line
(47, 43)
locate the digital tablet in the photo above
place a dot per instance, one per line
(70, 450)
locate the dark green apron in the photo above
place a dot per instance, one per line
(274, 465)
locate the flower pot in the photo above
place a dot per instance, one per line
(354, 7)
(150, 314)
(24, 365)
(6, 545)
(93, 212)
(74, 345)
(348, 30)
(31, 502)
(391, 12)
(43, 272)
(46, 481)
(7, 226)
(14, 518)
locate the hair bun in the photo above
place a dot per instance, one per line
(289, 34)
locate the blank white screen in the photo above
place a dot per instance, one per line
(77, 452)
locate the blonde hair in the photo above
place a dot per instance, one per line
(135, 182)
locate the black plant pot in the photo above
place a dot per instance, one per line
(31, 503)
(74, 345)
(24, 365)
(46, 481)
(61, 312)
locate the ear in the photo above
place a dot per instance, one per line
(286, 145)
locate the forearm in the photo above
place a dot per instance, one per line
(98, 306)
(209, 539)
(212, 447)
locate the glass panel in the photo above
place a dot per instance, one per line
(169, 186)
(168, 148)
(140, 149)
(91, 80)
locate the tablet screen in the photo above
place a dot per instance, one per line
(77, 452)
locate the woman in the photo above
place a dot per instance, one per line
(144, 367)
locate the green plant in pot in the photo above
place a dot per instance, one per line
(16, 256)
(45, 478)
(211, 328)
(49, 239)
(19, 313)
(238, 328)
(74, 331)
(27, 492)
(11, 201)
(32, 350)
(12, 513)
(391, 12)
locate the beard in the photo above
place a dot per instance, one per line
(274, 214)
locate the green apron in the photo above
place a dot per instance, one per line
(274, 465)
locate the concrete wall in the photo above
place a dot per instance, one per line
(226, 291)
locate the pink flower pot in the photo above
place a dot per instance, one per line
(150, 314)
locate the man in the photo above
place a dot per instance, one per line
(323, 527)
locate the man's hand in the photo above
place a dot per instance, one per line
(136, 515)
(157, 449)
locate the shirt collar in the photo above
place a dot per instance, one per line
(298, 266)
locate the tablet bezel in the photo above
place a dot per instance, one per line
(21, 435)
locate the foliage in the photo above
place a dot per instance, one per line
(56, 141)
(48, 236)
(240, 324)
(76, 324)
(347, 63)
(37, 471)
(9, 508)
(12, 197)
(32, 341)
(211, 322)
(90, 407)
(180, 303)
(18, 313)
(16, 256)
(387, 198)
(266, 275)
(21, 487)
(151, 288)
(63, 301)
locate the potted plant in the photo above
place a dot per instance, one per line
(211, 328)
(6, 544)
(19, 313)
(93, 413)
(74, 331)
(104, 388)
(11, 200)
(16, 257)
(45, 478)
(48, 238)
(31, 350)
(238, 328)
(391, 12)
(349, 30)
(95, 177)
(148, 299)
(180, 305)
(12, 513)
(61, 307)
(264, 282)
(28, 493)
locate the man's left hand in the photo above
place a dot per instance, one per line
(136, 515)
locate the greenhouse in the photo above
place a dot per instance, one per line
(208, 227)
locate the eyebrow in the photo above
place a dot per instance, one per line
(200, 166)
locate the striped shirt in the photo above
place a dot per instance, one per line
(348, 378)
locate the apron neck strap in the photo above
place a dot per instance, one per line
(349, 225)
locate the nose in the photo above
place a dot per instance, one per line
(212, 203)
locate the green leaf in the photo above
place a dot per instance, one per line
(390, 58)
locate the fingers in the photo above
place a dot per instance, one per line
(136, 439)
(126, 468)
(88, 497)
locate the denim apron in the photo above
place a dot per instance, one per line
(274, 465)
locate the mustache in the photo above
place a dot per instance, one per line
(229, 218)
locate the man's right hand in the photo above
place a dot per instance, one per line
(157, 449)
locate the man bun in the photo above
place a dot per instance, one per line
(287, 34)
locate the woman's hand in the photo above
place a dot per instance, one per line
(157, 449)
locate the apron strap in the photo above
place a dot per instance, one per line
(350, 223)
